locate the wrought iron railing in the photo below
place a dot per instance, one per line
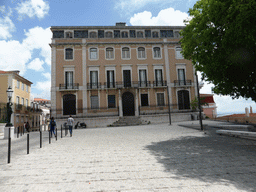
(69, 86)
(159, 83)
(178, 83)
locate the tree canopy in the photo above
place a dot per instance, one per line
(220, 39)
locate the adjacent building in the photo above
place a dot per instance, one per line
(21, 97)
(119, 71)
(209, 107)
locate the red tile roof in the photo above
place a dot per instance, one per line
(208, 98)
(241, 115)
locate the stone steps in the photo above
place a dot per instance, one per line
(127, 121)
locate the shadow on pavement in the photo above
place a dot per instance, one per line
(210, 159)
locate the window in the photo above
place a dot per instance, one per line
(69, 35)
(125, 53)
(26, 103)
(17, 119)
(109, 53)
(176, 34)
(140, 34)
(144, 99)
(160, 99)
(178, 53)
(22, 86)
(148, 33)
(124, 34)
(157, 52)
(155, 34)
(94, 102)
(18, 84)
(141, 53)
(17, 100)
(109, 34)
(143, 78)
(93, 34)
(94, 79)
(68, 53)
(22, 101)
(93, 53)
(111, 101)
(69, 79)
(159, 77)
(181, 76)
(110, 79)
(27, 88)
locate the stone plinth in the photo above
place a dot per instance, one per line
(6, 132)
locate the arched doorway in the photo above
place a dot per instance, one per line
(69, 104)
(128, 104)
(183, 99)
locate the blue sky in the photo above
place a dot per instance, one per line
(25, 33)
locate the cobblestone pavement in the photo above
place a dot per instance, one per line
(139, 158)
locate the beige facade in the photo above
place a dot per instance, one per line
(119, 70)
(20, 98)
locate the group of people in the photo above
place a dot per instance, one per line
(53, 125)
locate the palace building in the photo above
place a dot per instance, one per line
(119, 71)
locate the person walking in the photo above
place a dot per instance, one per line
(52, 126)
(27, 126)
(70, 124)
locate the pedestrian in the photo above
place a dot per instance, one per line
(52, 126)
(70, 124)
(24, 126)
(27, 126)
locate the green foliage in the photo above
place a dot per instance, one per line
(221, 42)
(194, 103)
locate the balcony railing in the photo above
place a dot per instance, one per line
(69, 86)
(19, 107)
(181, 83)
(127, 84)
(160, 83)
(91, 86)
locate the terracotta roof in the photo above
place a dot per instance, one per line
(39, 99)
(208, 98)
(2, 72)
(241, 115)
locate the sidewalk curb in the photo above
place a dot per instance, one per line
(242, 134)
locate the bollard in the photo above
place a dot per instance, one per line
(40, 139)
(66, 131)
(61, 131)
(28, 143)
(49, 137)
(9, 146)
(56, 133)
(18, 128)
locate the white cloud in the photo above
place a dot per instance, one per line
(16, 56)
(6, 24)
(165, 17)
(130, 5)
(39, 38)
(13, 56)
(36, 65)
(33, 8)
(44, 87)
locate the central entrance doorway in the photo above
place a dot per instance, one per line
(128, 104)
(69, 104)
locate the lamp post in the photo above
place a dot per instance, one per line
(9, 108)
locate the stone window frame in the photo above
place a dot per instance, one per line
(65, 53)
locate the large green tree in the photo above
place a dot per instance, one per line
(220, 39)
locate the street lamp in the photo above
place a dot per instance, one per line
(9, 108)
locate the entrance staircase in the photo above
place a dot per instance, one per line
(128, 121)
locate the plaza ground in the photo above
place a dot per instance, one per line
(140, 158)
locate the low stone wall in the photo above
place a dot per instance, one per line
(164, 118)
(250, 120)
(2, 125)
(91, 122)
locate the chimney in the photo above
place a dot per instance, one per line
(121, 24)
(246, 112)
(251, 110)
